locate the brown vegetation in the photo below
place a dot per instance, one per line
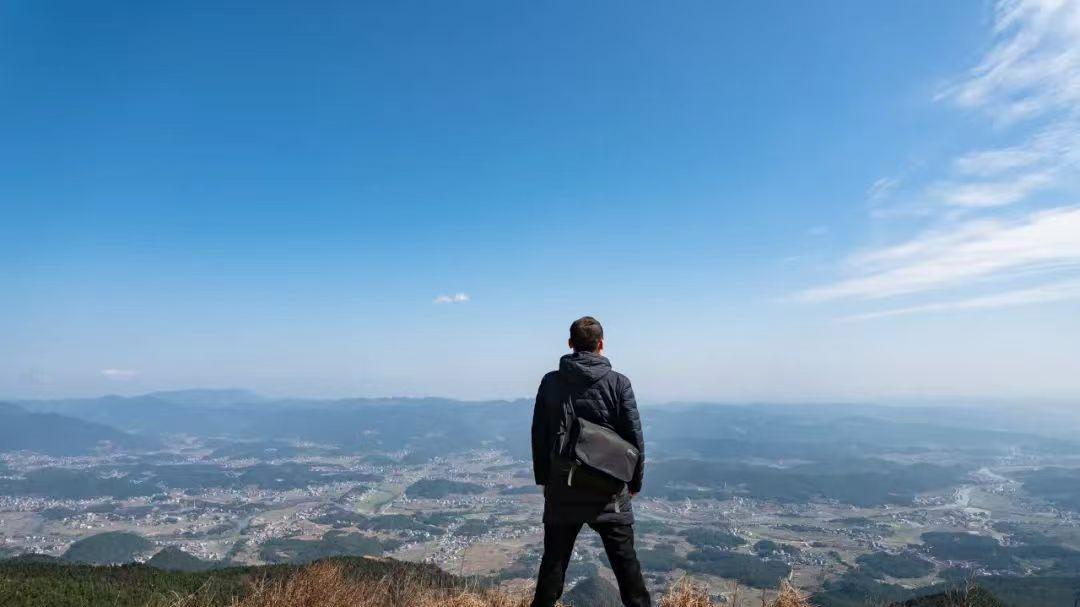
(687, 593)
(327, 584)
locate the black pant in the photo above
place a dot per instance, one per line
(619, 545)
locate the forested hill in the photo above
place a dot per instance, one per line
(36, 582)
(966, 597)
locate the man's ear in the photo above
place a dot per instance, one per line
(570, 343)
(600, 346)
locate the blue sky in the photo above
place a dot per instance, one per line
(761, 201)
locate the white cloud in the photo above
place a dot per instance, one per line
(1031, 70)
(1061, 291)
(992, 162)
(972, 251)
(119, 374)
(1034, 66)
(1051, 145)
(452, 299)
(1001, 176)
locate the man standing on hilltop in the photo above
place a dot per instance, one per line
(585, 386)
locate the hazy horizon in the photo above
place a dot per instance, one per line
(254, 397)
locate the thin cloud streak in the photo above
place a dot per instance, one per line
(974, 251)
(1062, 291)
(994, 193)
(881, 188)
(1055, 146)
(1002, 176)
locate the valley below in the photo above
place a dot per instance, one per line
(738, 498)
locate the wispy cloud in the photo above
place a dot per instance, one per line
(1033, 67)
(989, 206)
(119, 374)
(452, 299)
(1054, 146)
(994, 193)
(977, 250)
(1001, 176)
(1031, 71)
(1061, 291)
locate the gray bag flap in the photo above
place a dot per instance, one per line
(603, 449)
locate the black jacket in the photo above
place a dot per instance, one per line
(601, 396)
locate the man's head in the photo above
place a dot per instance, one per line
(586, 335)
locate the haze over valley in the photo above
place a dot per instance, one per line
(850, 500)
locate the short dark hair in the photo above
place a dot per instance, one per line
(585, 334)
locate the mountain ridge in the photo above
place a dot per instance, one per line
(57, 434)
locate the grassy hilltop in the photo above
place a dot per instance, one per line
(340, 582)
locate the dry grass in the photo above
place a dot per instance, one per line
(687, 593)
(327, 584)
(789, 596)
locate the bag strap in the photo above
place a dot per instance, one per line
(568, 403)
(568, 417)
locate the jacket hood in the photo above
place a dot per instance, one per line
(583, 368)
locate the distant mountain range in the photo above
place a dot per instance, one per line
(428, 427)
(425, 426)
(60, 435)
